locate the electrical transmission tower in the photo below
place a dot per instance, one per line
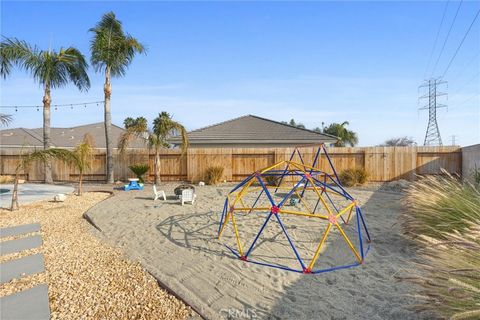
(432, 136)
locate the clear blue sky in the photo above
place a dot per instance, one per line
(314, 61)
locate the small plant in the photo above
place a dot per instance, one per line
(213, 175)
(6, 179)
(139, 170)
(272, 181)
(353, 177)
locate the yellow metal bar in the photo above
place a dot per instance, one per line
(299, 165)
(345, 209)
(237, 235)
(273, 166)
(303, 202)
(348, 242)
(224, 224)
(349, 215)
(298, 213)
(242, 202)
(320, 245)
(257, 209)
(240, 194)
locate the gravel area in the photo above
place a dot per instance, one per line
(87, 279)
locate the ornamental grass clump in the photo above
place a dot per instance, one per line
(139, 170)
(353, 177)
(443, 218)
(213, 175)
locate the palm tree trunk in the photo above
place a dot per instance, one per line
(46, 132)
(107, 89)
(157, 166)
(14, 205)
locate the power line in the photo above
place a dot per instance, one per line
(56, 106)
(461, 43)
(446, 38)
(436, 38)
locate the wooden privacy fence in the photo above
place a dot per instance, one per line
(381, 163)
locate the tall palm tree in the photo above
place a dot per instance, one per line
(345, 136)
(50, 69)
(112, 52)
(163, 128)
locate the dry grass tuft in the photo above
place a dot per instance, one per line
(443, 217)
(214, 175)
(353, 177)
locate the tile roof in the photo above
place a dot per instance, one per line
(62, 137)
(254, 129)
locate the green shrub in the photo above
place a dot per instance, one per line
(213, 175)
(139, 170)
(353, 177)
(443, 217)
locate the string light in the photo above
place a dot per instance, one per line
(56, 106)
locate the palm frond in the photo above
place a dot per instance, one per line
(48, 68)
(5, 119)
(134, 130)
(111, 47)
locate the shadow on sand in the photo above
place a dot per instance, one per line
(369, 291)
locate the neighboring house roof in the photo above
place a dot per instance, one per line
(62, 137)
(252, 129)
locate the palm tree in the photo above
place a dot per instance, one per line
(163, 128)
(51, 70)
(44, 156)
(82, 158)
(344, 135)
(112, 52)
(5, 119)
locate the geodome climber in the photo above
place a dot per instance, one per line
(295, 217)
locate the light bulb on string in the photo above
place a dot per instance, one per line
(38, 109)
(16, 109)
(71, 106)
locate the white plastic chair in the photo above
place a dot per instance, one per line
(187, 196)
(158, 194)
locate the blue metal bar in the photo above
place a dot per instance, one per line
(336, 268)
(286, 168)
(275, 266)
(223, 214)
(290, 241)
(364, 225)
(330, 162)
(266, 191)
(334, 206)
(259, 195)
(327, 186)
(316, 157)
(316, 205)
(359, 232)
(258, 234)
(290, 193)
(311, 171)
(241, 183)
(341, 187)
(233, 251)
